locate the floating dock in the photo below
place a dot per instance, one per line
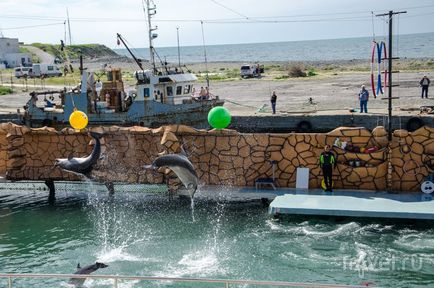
(355, 204)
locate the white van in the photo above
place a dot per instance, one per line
(45, 70)
(23, 72)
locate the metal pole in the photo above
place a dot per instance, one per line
(390, 76)
(115, 284)
(179, 53)
(204, 53)
(151, 12)
(69, 27)
(9, 282)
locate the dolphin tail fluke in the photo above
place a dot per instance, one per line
(96, 135)
(182, 152)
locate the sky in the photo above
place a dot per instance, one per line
(224, 21)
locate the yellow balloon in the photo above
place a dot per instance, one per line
(78, 120)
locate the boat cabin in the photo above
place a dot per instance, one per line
(167, 89)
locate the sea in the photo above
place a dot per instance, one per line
(404, 46)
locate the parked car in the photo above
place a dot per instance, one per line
(45, 70)
(23, 72)
(248, 71)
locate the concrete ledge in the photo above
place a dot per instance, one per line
(356, 204)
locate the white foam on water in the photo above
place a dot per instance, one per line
(198, 264)
(109, 283)
(339, 231)
(416, 242)
(117, 254)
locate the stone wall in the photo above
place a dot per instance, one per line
(222, 157)
(412, 158)
(3, 151)
(231, 158)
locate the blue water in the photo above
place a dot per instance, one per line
(405, 46)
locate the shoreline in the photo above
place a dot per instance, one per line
(406, 64)
(334, 87)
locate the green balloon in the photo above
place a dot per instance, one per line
(219, 117)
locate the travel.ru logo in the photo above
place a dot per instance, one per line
(376, 263)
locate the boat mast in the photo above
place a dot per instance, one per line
(151, 11)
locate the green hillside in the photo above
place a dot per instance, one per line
(88, 50)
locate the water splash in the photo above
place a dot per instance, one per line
(118, 227)
(192, 209)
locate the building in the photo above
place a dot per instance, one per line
(10, 54)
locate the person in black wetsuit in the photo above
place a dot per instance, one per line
(327, 161)
(273, 101)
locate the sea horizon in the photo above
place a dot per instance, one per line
(419, 45)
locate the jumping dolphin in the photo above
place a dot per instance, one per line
(78, 282)
(82, 165)
(182, 167)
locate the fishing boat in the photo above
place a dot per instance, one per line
(162, 95)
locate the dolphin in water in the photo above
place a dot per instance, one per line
(82, 165)
(182, 167)
(78, 282)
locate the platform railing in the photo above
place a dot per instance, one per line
(224, 282)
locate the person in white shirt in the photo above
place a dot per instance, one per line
(98, 88)
(424, 83)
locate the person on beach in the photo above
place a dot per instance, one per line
(327, 161)
(363, 98)
(273, 101)
(424, 83)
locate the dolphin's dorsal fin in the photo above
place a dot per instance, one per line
(78, 266)
(70, 156)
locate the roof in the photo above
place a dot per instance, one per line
(185, 77)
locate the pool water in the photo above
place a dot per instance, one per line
(151, 235)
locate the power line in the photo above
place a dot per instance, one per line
(230, 9)
(257, 19)
(33, 26)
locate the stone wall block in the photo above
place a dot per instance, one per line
(250, 140)
(244, 151)
(379, 131)
(222, 144)
(277, 140)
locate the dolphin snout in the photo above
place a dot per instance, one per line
(150, 167)
(101, 265)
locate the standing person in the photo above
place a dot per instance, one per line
(363, 97)
(327, 161)
(98, 88)
(202, 93)
(273, 101)
(424, 83)
(107, 98)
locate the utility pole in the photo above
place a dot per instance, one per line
(389, 69)
(69, 27)
(179, 53)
